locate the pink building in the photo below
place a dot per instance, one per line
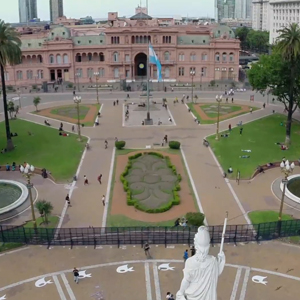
(116, 50)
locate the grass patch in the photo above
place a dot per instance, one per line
(10, 246)
(260, 137)
(267, 216)
(233, 108)
(52, 222)
(122, 221)
(41, 148)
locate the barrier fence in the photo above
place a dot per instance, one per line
(97, 236)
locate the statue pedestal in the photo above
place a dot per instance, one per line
(148, 121)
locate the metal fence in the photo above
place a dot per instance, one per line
(140, 235)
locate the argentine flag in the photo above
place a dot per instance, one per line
(153, 59)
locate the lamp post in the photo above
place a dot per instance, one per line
(77, 101)
(97, 86)
(27, 171)
(201, 78)
(192, 73)
(78, 75)
(219, 100)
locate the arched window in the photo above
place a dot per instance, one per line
(101, 56)
(78, 73)
(90, 72)
(167, 56)
(224, 56)
(231, 57)
(90, 56)
(78, 57)
(204, 56)
(145, 39)
(40, 59)
(132, 40)
(193, 56)
(217, 57)
(58, 59)
(116, 57)
(167, 72)
(40, 74)
(181, 56)
(51, 59)
(66, 59)
(29, 74)
(116, 72)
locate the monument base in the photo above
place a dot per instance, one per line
(148, 121)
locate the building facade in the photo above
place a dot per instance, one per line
(117, 51)
(56, 9)
(27, 10)
(225, 9)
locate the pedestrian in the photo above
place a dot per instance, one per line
(226, 99)
(114, 103)
(74, 93)
(147, 250)
(177, 222)
(61, 125)
(86, 182)
(185, 255)
(117, 102)
(76, 275)
(241, 131)
(116, 139)
(264, 105)
(103, 200)
(169, 296)
(229, 127)
(105, 144)
(231, 100)
(251, 110)
(193, 251)
(166, 138)
(68, 200)
(73, 128)
(97, 121)
(100, 178)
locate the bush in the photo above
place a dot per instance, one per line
(155, 154)
(195, 219)
(135, 156)
(174, 145)
(120, 144)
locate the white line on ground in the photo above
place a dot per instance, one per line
(245, 283)
(276, 274)
(170, 114)
(148, 281)
(190, 111)
(123, 115)
(59, 288)
(236, 284)
(69, 290)
(100, 111)
(14, 251)
(156, 282)
(107, 196)
(193, 184)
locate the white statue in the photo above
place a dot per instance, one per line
(201, 271)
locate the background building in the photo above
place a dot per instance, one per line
(225, 9)
(56, 9)
(27, 10)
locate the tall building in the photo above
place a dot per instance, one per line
(56, 9)
(27, 10)
(225, 9)
(260, 14)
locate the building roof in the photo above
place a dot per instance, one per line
(141, 16)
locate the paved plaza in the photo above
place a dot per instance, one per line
(25, 269)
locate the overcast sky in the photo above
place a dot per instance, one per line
(98, 8)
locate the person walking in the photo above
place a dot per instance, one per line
(193, 251)
(251, 110)
(103, 200)
(229, 127)
(264, 105)
(100, 178)
(76, 275)
(68, 200)
(114, 103)
(117, 102)
(231, 100)
(105, 144)
(147, 250)
(185, 255)
(73, 128)
(86, 181)
(241, 131)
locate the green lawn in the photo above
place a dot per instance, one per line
(52, 222)
(260, 137)
(233, 108)
(44, 149)
(122, 221)
(10, 246)
(266, 216)
(214, 111)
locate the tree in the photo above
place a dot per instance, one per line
(258, 41)
(272, 72)
(242, 33)
(36, 102)
(45, 208)
(11, 108)
(10, 54)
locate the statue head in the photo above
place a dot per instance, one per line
(202, 243)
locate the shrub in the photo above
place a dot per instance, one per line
(174, 145)
(195, 218)
(135, 156)
(120, 144)
(155, 154)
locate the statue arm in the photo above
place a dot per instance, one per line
(221, 262)
(184, 285)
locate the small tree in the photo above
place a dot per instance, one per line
(212, 83)
(36, 102)
(45, 208)
(10, 108)
(40, 207)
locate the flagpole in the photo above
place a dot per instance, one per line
(148, 70)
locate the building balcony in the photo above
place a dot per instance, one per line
(168, 62)
(56, 65)
(117, 63)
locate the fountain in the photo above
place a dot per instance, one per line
(292, 190)
(12, 195)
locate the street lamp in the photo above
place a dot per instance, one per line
(201, 78)
(219, 100)
(27, 171)
(77, 101)
(286, 169)
(97, 87)
(192, 73)
(78, 75)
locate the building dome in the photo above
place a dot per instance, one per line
(221, 31)
(59, 32)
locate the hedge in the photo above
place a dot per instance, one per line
(120, 144)
(174, 145)
(133, 202)
(195, 218)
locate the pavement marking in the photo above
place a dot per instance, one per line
(193, 184)
(123, 115)
(100, 110)
(276, 274)
(14, 251)
(107, 196)
(170, 114)
(148, 281)
(156, 282)
(69, 290)
(245, 283)
(59, 288)
(236, 284)
(190, 111)
(46, 118)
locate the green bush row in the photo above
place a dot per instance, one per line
(195, 218)
(120, 144)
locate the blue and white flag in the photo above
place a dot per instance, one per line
(153, 59)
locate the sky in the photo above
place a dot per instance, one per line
(99, 8)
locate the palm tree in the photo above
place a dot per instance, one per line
(288, 45)
(45, 208)
(36, 102)
(10, 54)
